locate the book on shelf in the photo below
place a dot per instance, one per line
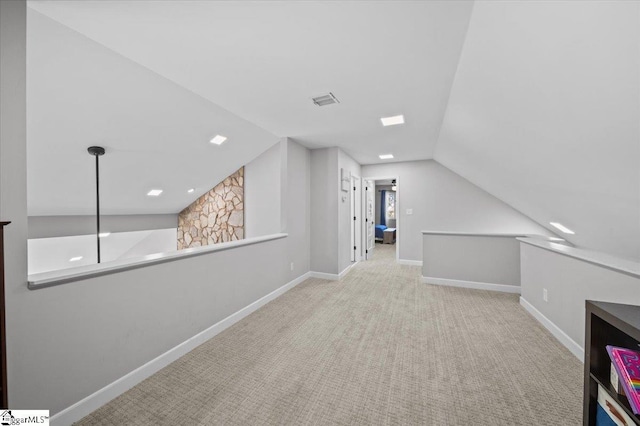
(626, 363)
(615, 381)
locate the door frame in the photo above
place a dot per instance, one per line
(365, 223)
(398, 210)
(356, 213)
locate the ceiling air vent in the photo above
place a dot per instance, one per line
(325, 100)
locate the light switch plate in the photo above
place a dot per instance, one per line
(409, 211)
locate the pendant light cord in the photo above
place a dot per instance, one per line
(98, 204)
(97, 151)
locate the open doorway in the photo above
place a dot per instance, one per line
(382, 221)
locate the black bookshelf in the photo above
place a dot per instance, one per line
(607, 324)
(3, 335)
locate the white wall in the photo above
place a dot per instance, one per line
(543, 114)
(344, 213)
(13, 195)
(91, 332)
(324, 210)
(262, 193)
(75, 324)
(156, 241)
(68, 341)
(51, 254)
(477, 258)
(277, 199)
(569, 282)
(63, 226)
(298, 210)
(330, 210)
(444, 201)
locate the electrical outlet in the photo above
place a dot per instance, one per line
(409, 211)
(292, 266)
(545, 295)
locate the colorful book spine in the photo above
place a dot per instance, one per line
(627, 365)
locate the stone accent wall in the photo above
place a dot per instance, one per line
(215, 217)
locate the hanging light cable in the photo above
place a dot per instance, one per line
(97, 151)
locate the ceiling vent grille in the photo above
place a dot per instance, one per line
(325, 100)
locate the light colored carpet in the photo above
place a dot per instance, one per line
(377, 347)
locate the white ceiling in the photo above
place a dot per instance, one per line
(264, 61)
(540, 108)
(155, 132)
(548, 118)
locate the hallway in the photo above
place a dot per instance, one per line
(377, 347)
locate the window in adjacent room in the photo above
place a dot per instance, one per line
(390, 204)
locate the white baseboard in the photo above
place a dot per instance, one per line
(346, 270)
(324, 276)
(332, 277)
(562, 337)
(410, 262)
(505, 288)
(97, 399)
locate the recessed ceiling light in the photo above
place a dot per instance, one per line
(104, 234)
(218, 139)
(562, 227)
(385, 156)
(74, 259)
(190, 190)
(154, 192)
(392, 121)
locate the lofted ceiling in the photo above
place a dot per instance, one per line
(548, 118)
(265, 60)
(538, 103)
(156, 133)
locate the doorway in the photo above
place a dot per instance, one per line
(382, 219)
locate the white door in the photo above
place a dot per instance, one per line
(370, 218)
(356, 213)
(354, 244)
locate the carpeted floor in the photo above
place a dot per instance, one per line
(377, 347)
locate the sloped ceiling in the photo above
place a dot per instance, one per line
(264, 60)
(155, 132)
(544, 113)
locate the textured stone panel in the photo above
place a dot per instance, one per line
(216, 217)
